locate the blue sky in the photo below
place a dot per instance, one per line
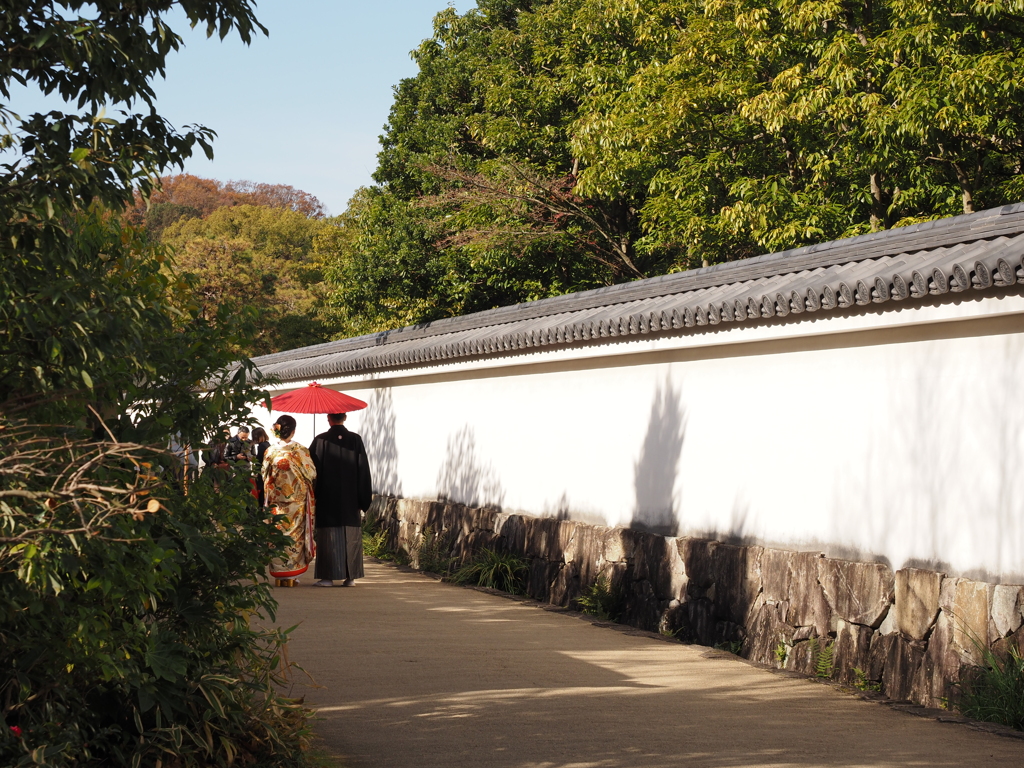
(303, 106)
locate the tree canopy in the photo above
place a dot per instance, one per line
(129, 609)
(546, 146)
(256, 258)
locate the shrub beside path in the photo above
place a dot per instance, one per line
(415, 673)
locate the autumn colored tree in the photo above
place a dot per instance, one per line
(184, 196)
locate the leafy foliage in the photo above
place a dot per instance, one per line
(864, 683)
(495, 570)
(601, 600)
(433, 554)
(187, 196)
(558, 145)
(994, 692)
(127, 612)
(375, 544)
(258, 259)
(823, 657)
(131, 614)
(375, 536)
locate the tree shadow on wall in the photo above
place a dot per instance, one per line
(464, 478)
(655, 472)
(382, 450)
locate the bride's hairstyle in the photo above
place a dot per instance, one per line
(284, 427)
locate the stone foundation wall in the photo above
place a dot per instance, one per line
(911, 631)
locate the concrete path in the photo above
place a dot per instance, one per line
(414, 673)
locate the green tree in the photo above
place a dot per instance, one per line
(557, 145)
(124, 603)
(257, 259)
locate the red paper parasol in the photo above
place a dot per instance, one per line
(316, 399)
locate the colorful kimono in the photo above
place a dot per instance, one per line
(288, 475)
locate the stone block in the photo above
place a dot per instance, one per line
(413, 511)
(566, 587)
(618, 575)
(485, 520)
(970, 617)
(878, 653)
(727, 575)
(656, 559)
(649, 550)
(859, 593)
(378, 506)
(1006, 615)
(407, 537)
(585, 550)
(888, 625)
(697, 622)
(671, 580)
(765, 631)
(776, 574)
(901, 666)
(804, 633)
(435, 517)
(459, 519)
(852, 650)
(941, 667)
(539, 580)
(513, 534)
(544, 538)
(641, 606)
(566, 536)
(1013, 641)
(617, 544)
(698, 559)
(917, 601)
(500, 518)
(947, 594)
(802, 656)
(808, 606)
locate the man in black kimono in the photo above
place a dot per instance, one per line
(343, 490)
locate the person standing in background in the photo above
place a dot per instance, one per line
(238, 446)
(343, 491)
(260, 444)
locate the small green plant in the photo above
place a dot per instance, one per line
(434, 552)
(601, 600)
(731, 646)
(375, 544)
(823, 657)
(781, 653)
(994, 692)
(664, 631)
(375, 538)
(496, 570)
(863, 683)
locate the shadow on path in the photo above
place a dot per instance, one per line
(414, 673)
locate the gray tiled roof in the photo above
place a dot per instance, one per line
(981, 251)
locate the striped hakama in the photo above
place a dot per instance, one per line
(339, 553)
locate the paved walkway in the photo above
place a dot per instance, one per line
(414, 673)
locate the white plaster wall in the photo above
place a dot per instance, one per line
(897, 436)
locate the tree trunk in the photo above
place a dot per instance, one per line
(878, 218)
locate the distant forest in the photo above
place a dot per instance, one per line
(551, 147)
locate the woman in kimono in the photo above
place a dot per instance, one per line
(288, 475)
